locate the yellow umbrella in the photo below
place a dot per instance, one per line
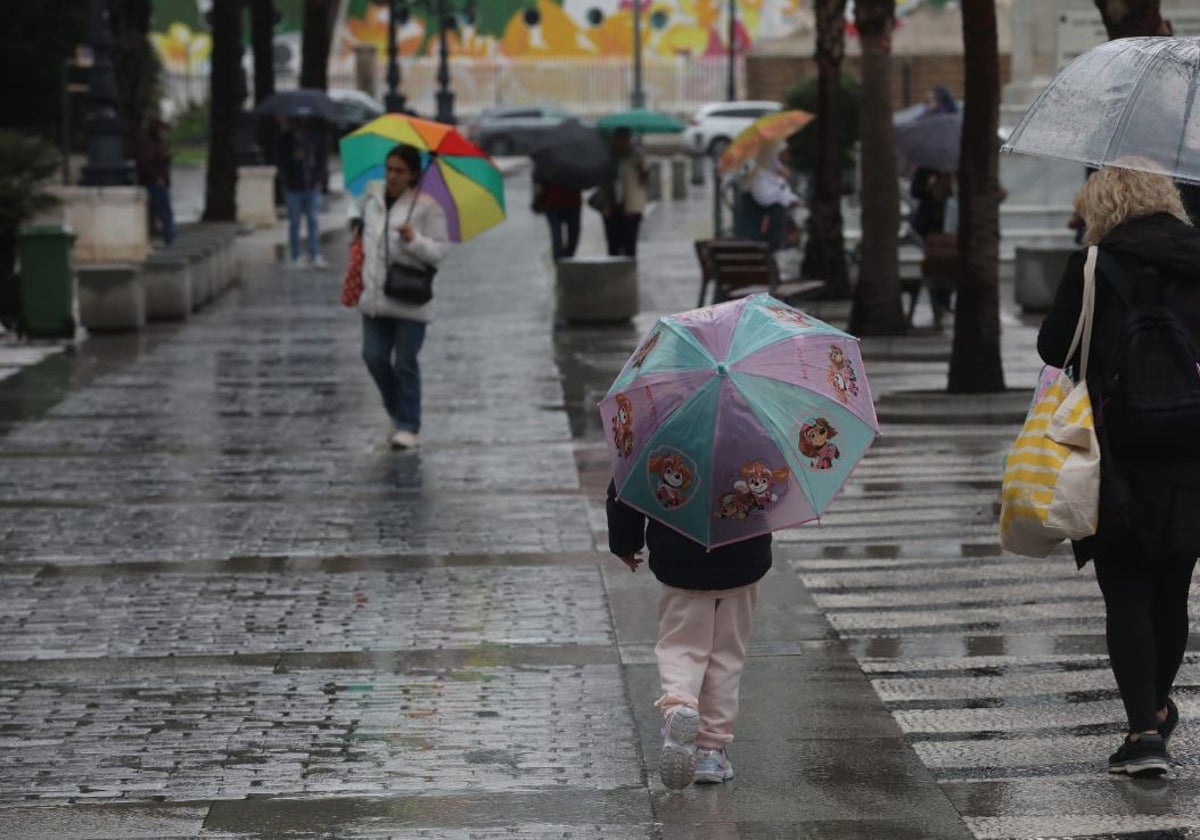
(759, 135)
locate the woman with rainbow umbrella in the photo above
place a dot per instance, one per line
(418, 186)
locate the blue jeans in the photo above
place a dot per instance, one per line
(160, 207)
(390, 348)
(308, 204)
(564, 221)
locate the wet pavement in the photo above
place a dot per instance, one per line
(231, 611)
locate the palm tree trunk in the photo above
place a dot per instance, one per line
(315, 43)
(825, 251)
(262, 39)
(877, 309)
(135, 65)
(1131, 18)
(220, 197)
(975, 364)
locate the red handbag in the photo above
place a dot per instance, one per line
(352, 283)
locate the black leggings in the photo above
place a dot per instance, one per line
(1146, 601)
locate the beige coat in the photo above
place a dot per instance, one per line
(429, 246)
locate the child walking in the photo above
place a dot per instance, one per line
(704, 621)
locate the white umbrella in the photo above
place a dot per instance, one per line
(1130, 97)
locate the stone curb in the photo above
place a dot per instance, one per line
(909, 407)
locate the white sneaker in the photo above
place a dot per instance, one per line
(677, 764)
(318, 262)
(713, 767)
(404, 440)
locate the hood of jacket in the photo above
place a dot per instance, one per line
(1160, 241)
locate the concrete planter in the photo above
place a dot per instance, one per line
(596, 290)
(168, 282)
(112, 297)
(1038, 272)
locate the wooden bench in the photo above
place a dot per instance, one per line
(735, 268)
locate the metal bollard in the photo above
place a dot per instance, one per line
(698, 169)
(654, 188)
(679, 188)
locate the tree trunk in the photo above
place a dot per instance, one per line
(975, 365)
(877, 309)
(825, 251)
(262, 38)
(220, 197)
(315, 43)
(1131, 18)
(135, 65)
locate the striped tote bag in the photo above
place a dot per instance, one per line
(1051, 486)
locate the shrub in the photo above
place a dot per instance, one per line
(802, 147)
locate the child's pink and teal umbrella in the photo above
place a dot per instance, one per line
(457, 173)
(738, 419)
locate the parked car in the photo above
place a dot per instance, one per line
(514, 131)
(355, 109)
(715, 125)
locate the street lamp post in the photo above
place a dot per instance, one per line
(731, 74)
(394, 100)
(106, 165)
(638, 98)
(445, 96)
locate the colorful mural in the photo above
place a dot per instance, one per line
(576, 28)
(502, 29)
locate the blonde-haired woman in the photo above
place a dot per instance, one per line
(1145, 548)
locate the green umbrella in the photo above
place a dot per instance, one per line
(641, 121)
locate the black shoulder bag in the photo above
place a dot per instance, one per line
(406, 283)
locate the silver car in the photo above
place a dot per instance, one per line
(514, 131)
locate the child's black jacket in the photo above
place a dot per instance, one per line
(680, 562)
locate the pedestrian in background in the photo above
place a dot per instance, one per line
(933, 189)
(766, 185)
(302, 162)
(152, 158)
(397, 223)
(705, 614)
(1147, 540)
(623, 199)
(562, 206)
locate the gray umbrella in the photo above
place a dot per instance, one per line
(301, 102)
(931, 141)
(1134, 96)
(572, 155)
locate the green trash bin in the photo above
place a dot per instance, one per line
(47, 280)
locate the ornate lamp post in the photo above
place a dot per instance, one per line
(106, 165)
(638, 98)
(445, 96)
(731, 76)
(394, 100)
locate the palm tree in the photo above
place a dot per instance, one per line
(220, 197)
(975, 365)
(877, 309)
(824, 253)
(1130, 18)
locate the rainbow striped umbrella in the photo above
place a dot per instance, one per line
(457, 173)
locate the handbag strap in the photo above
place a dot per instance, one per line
(387, 217)
(1083, 328)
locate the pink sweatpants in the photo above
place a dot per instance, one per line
(701, 649)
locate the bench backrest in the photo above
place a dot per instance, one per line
(736, 263)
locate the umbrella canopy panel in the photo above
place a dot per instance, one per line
(301, 102)
(572, 155)
(931, 141)
(642, 121)
(1130, 97)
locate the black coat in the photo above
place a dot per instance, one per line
(680, 562)
(1149, 494)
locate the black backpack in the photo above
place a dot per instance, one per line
(1153, 387)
